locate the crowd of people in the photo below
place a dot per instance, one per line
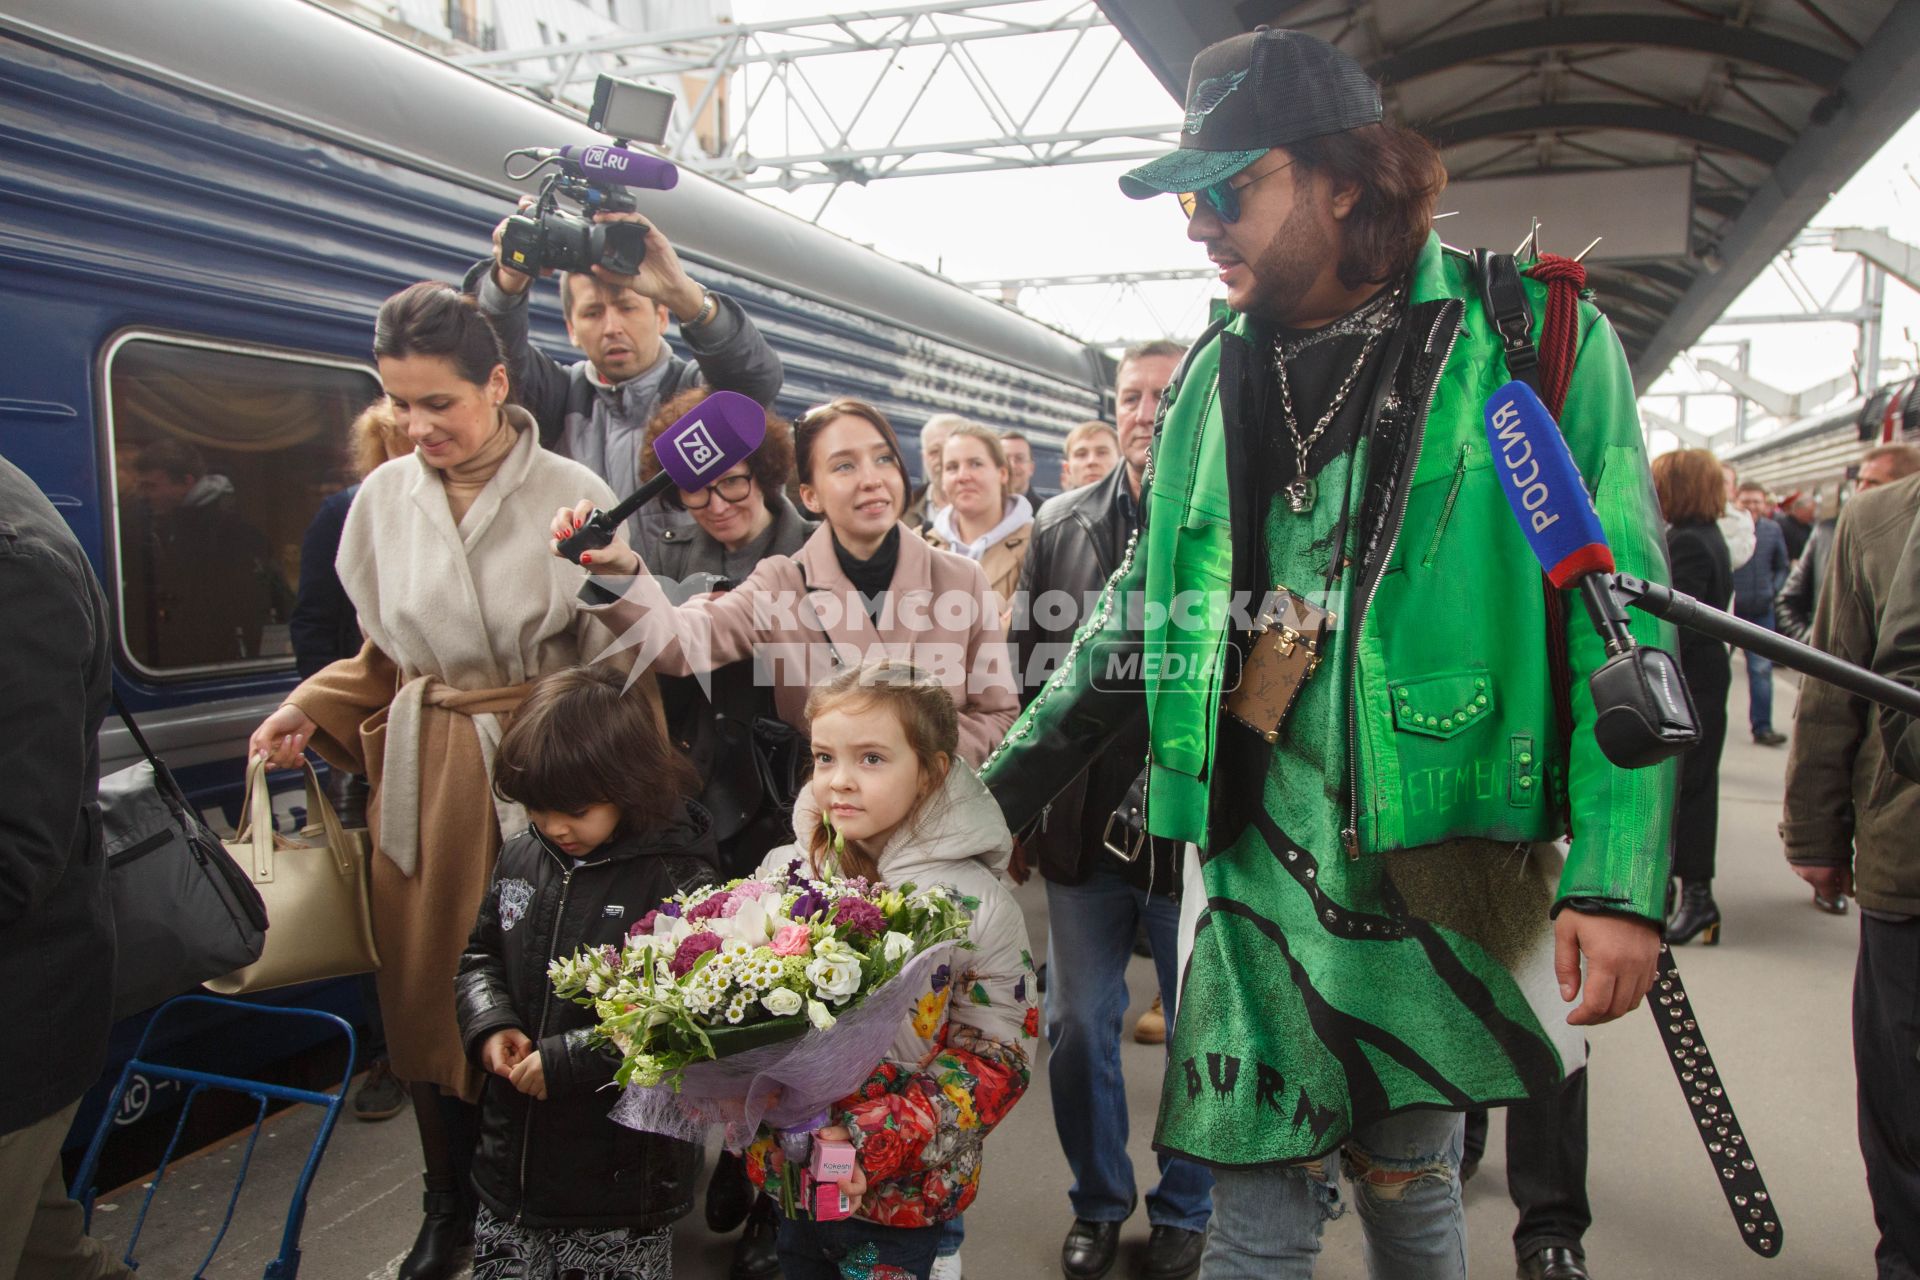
(1237, 693)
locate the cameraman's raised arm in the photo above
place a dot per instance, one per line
(539, 381)
(727, 348)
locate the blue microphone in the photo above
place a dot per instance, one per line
(1543, 486)
(1643, 712)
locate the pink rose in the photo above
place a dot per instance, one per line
(753, 889)
(792, 940)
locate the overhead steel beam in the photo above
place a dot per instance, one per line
(1628, 30)
(1878, 94)
(1705, 130)
(645, 52)
(1897, 259)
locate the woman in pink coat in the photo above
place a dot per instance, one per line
(864, 587)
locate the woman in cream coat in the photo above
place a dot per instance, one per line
(463, 610)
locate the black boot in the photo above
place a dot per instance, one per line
(730, 1194)
(444, 1232)
(448, 1129)
(757, 1256)
(1697, 915)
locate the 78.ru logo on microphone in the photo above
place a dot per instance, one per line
(697, 448)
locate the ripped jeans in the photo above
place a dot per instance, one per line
(1404, 1173)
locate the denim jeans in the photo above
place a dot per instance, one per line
(1759, 679)
(1405, 1175)
(1090, 934)
(855, 1249)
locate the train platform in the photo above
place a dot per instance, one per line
(1773, 999)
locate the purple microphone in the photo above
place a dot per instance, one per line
(618, 165)
(713, 437)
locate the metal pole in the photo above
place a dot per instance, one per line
(1873, 296)
(1683, 610)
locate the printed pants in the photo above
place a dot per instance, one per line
(503, 1251)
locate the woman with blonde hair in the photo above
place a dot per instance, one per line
(1692, 498)
(982, 520)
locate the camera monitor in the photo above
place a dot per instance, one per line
(630, 111)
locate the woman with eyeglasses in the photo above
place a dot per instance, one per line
(740, 519)
(749, 774)
(864, 586)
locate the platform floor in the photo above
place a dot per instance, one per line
(1773, 999)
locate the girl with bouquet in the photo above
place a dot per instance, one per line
(890, 800)
(563, 1189)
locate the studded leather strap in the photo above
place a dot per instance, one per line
(1733, 1162)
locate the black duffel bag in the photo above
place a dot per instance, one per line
(183, 910)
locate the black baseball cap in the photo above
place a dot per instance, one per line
(1250, 93)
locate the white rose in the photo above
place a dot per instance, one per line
(818, 1015)
(834, 972)
(895, 945)
(782, 1002)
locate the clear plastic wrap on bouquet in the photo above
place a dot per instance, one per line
(789, 1083)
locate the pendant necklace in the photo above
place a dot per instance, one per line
(1303, 490)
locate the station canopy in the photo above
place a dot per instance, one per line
(1694, 138)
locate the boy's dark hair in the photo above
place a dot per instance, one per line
(579, 739)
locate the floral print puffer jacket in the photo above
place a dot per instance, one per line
(961, 1062)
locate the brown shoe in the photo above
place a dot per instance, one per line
(1152, 1027)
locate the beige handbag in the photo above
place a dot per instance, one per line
(315, 889)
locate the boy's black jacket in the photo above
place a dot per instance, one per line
(562, 1163)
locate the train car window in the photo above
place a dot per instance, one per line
(221, 457)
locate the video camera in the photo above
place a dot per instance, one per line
(546, 237)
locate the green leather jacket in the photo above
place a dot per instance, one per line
(1454, 731)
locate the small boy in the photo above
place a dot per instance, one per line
(563, 1189)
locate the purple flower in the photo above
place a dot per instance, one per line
(941, 977)
(808, 905)
(860, 917)
(712, 907)
(671, 909)
(690, 951)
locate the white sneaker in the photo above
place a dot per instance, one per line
(947, 1268)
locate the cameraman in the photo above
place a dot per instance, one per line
(596, 410)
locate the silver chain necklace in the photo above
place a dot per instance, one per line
(1303, 490)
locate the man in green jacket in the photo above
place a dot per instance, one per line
(1378, 930)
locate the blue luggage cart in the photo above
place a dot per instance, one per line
(287, 1264)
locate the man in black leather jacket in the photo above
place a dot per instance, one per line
(1096, 900)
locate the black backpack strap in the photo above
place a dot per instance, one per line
(139, 739)
(163, 777)
(1507, 307)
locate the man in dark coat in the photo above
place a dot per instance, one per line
(56, 918)
(1795, 519)
(1096, 901)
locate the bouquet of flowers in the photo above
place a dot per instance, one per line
(765, 998)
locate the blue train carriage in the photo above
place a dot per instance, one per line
(204, 204)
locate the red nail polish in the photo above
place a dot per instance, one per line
(586, 557)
